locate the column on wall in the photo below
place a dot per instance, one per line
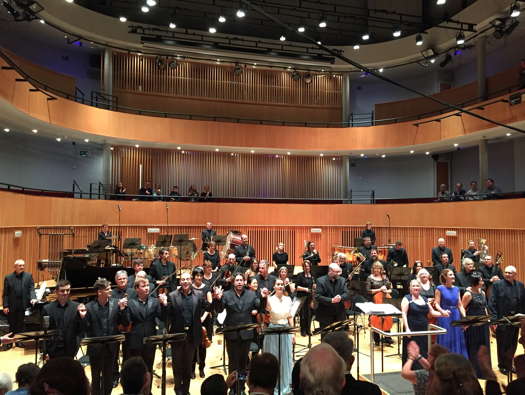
(108, 71)
(345, 98)
(481, 57)
(483, 163)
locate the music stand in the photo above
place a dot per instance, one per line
(163, 340)
(98, 246)
(164, 241)
(36, 336)
(132, 243)
(400, 275)
(319, 271)
(279, 331)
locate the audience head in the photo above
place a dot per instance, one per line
(141, 286)
(307, 266)
(244, 239)
(343, 345)
(443, 188)
(164, 253)
(214, 385)
(209, 225)
(26, 374)
(264, 373)
(473, 185)
(310, 246)
(231, 258)
(441, 242)
(135, 377)
(377, 268)
(488, 260)
(263, 267)
(63, 290)
(322, 371)
(444, 259)
(52, 378)
(283, 272)
(368, 225)
(399, 245)
(367, 241)
(476, 280)
(423, 276)
(471, 245)
(447, 275)
(415, 287)
(280, 246)
(253, 283)
(138, 265)
(238, 282)
(489, 183)
(454, 374)
(5, 383)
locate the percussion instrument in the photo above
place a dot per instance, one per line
(233, 239)
(174, 252)
(151, 252)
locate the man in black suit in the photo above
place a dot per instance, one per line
(508, 298)
(369, 232)
(244, 253)
(138, 266)
(397, 256)
(19, 293)
(142, 313)
(162, 268)
(242, 305)
(207, 235)
(438, 251)
(264, 279)
(122, 289)
(105, 234)
(444, 264)
(331, 292)
(100, 317)
(464, 277)
(367, 247)
(186, 307)
(63, 317)
(345, 347)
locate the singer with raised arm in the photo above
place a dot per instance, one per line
(162, 270)
(62, 316)
(311, 255)
(208, 235)
(19, 294)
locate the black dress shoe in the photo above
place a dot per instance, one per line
(192, 375)
(201, 373)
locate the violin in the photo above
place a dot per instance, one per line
(205, 342)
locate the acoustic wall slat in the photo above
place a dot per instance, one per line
(219, 82)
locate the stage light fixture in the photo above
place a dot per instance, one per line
(515, 10)
(212, 30)
(322, 24)
(321, 154)
(441, 2)
(301, 29)
(419, 40)
(319, 43)
(58, 139)
(383, 156)
(216, 150)
(356, 47)
(456, 145)
(172, 25)
(508, 134)
(151, 3)
(362, 155)
(288, 153)
(35, 131)
(86, 140)
(411, 151)
(427, 153)
(432, 60)
(137, 146)
(396, 33)
(380, 69)
(460, 38)
(240, 13)
(144, 9)
(252, 151)
(123, 19)
(222, 19)
(7, 130)
(42, 21)
(69, 1)
(365, 36)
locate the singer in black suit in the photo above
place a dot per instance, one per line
(331, 292)
(100, 317)
(19, 293)
(63, 317)
(105, 234)
(186, 306)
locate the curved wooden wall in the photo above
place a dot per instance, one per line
(418, 225)
(96, 121)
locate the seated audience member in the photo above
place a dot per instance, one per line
(174, 193)
(146, 191)
(25, 375)
(473, 192)
(135, 377)
(344, 346)
(322, 371)
(206, 193)
(5, 383)
(193, 194)
(517, 387)
(263, 374)
(492, 190)
(62, 375)
(458, 193)
(157, 192)
(454, 375)
(214, 385)
(443, 194)
(120, 190)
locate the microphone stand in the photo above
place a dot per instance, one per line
(389, 238)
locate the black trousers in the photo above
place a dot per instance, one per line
(507, 342)
(305, 316)
(182, 364)
(327, 319)
(200, 353)
(101, 359)
(238, 351)
(147, 352)
(15, 320)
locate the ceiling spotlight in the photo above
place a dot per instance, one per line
(411, 151)
(240, 14)
(172, 25)
(356, 47)
(222, 19)
(42, 21)
(383, 156)
(515, 11)
(151, 3)
(321, 154)
(380, 70)
(137, 146)
(69, 1)
(365, 36)
(212, 30)
(432, 60)
(144, 9)
(460, 38)
(322, 24)
(216, 150)
(282, 38)
(362, 155)
(123, 19)
(456, 144)
(441, 2)
(7, 130)
(319, 43)
(179, 148)
(58, 139)
(396, 33)
(288, 153)
(301, 29)
(35, 131)
(252, 151)
(508, 134)
(419, 40)
(86, 140)
(111, 148)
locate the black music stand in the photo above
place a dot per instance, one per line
(279, 331)
(164, 241)
(400, 275)
(133, 243)
(98, 246)
(220, 240)
(178, 241)
(36, 336)
(163, 340)
(319, 271)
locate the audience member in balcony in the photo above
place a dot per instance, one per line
(193, 194)
(206, 193)
(120, 190)
(458, 193)
(443, 194)
(473, 192)
(174, 193)
(157, 192)
(146, 192)
(492, 190)
(369, 232)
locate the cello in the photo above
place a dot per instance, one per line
(384, 322)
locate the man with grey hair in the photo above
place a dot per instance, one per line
(322, 371)
(331, 292)
(5, 383)
(264, 279)
(490, 273)
(439, 250)
(344, 346)
(464, 277)
(508, 298)
(19, 293)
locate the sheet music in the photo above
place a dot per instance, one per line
(39, 293)
(375, 308)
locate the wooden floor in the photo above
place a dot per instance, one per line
(10, 360)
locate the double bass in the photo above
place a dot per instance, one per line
(384, 322)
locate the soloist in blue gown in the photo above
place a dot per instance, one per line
(454, 339)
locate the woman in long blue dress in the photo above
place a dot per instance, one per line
(448, 303)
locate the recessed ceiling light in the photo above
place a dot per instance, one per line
(515, 11)
(288, 153)
(222, 19)
(137, 146)
(252, 151)
(58, 139)
(7, 130)
(333, 158)
(42, 21)
(35, 131)
(319, 42)
(365, 36)
(179, 147)
(427, 153)
(508, 134)
(441, 2)
(111, 148)
(380, 70)
(172, 25)
(123, 19)
(383, 156)
(362, 155)
(432, 60)
(212, 30)
(69, 1)
(144, 9)
(240, 14)
(282, 38)
(411, 151)
(356, 47)
(216, 150)
(396, 33)
(460, 38)
(321, 154)
(301, 29)
(419, 40)
(456, 144)
(151, 3)
(86, 140)
(322, 24)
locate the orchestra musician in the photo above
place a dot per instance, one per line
(265, 280)
(366, 267)
(244, 252)
(208, 276)
(186, 308)
(289, 286)
(241, 305)
(490, 273)
(142, 313)
(369, 232)
(464, 277)
(331, 292)
(211, 254)
(63, 317)
(199, 285)
(444, 264)
(122, 289)
(207, 235)
(162, 271)
(138, 266)
(19, 294)
(100, 317)
(439, 250)
(105, 233)
(311, 255)
(280, 257)
(305, 285)
(472, 253)
(379, 287)
(397, 256)
(252, 271)
(367, 247)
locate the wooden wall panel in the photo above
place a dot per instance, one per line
(237, 175)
